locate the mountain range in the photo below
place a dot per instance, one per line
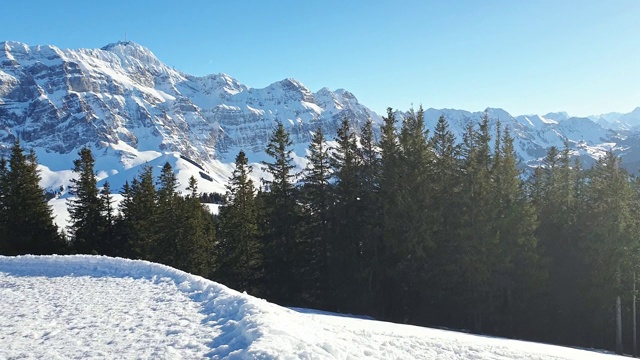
(132, 109)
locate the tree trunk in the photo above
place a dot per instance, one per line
(618, 325)
(633, 317)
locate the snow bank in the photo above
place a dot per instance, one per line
(89, 306)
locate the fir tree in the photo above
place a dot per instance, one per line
(198, 235)
(317, 198)
(476, 216)
(610, 239)
(370, 214)
(168, 218)
(110, 245)
(281, 218)
(138, 212)
(240, 255)
(85, 210)
(346, 249)
(28, 226)
(517, 273)
(446, 194)
(386, 283)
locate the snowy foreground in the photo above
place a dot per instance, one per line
(63, 307)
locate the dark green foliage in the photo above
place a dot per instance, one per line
(345, 258)
(195, 246)
(369, 221)
(109, 245)
(168, 218)
(280, 224)
(27, 223)
(316, 195)
(137, 216)
(88, 223)
(239, 250)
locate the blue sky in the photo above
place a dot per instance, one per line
(533, 56)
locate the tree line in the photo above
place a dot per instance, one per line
(410, 227)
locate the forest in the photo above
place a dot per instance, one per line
(409, 226)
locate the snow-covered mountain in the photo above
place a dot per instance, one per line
(78, 307)
(132, 109)
(534, 134)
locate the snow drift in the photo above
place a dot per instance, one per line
(87, 307)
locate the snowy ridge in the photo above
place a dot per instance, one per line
(122, 100)
(127, 105)
(89, 306)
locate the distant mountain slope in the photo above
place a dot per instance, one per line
(77, 307)
(131, 109)
(121, 99)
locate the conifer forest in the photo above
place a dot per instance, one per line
(399, 224)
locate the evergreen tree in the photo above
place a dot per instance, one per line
(85, 210)
(240, 255)
(281, 219)
(5, 247)
(370, 216)
(517, 274)
(110, 245)
(610, 242)
(28, 226)
(198, 235)
(475, 230)
(346, 249)
(387, 285)
(138, 214)
(168, 218)
(414, 249)
(317, 198)
(446, 285)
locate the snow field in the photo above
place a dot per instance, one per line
(75, 307)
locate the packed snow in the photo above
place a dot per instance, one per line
(72, 307)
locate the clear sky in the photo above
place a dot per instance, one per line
(525, 56)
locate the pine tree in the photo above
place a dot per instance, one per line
(386, 285)
(554, 195)
(317, 198)
(476, 216)
(371, 216)
(346, 259)
(240, 252)
(110, 245)
(281, 218)
(138, 214)
(196, 244)
(168, 222)
(610, 240)
(446, 284)
(414, 249)
(517, 274)
(87, 222)
(5, 247)
(27, 218)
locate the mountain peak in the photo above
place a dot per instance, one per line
(557, 116)
(116, 46)
(292, 85)
(130, 49)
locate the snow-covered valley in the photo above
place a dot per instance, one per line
(76, 307)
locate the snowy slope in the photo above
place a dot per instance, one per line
(131, 108)
(97, 307)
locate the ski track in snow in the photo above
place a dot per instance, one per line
(76, 307)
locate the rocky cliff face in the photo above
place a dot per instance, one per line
(128, 105)
(63, 99)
